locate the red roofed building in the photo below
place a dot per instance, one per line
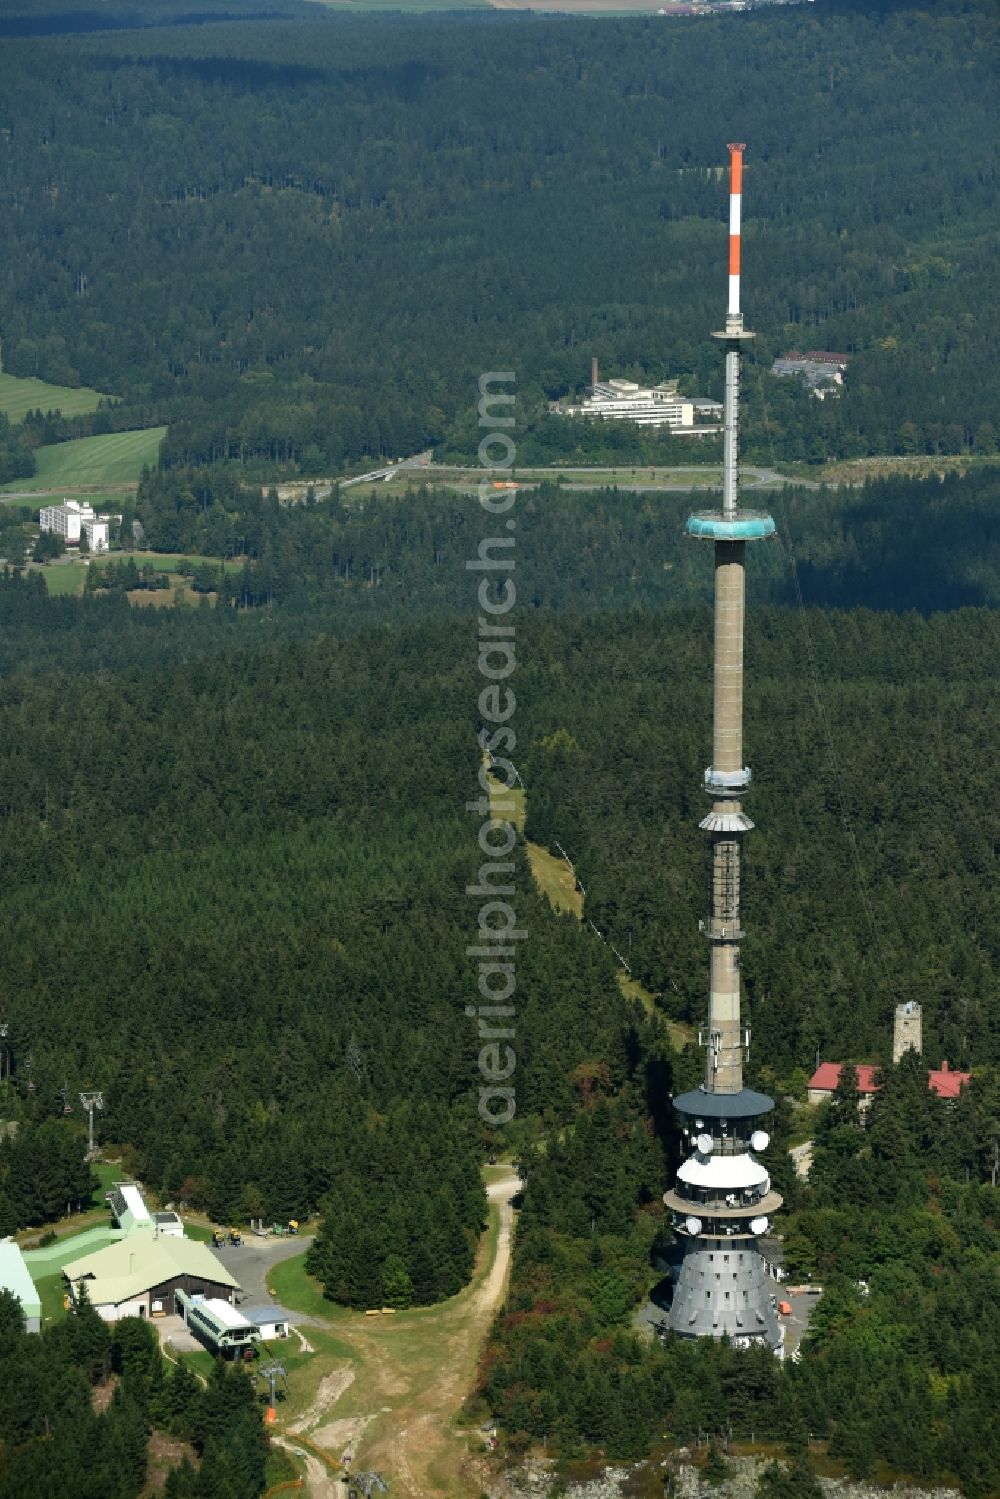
(946, 1084)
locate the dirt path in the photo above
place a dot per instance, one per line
(393, 1406)
(319, 1481)
(802, 1159)
(330, 1390)
(424, 1450)
(492, 1290)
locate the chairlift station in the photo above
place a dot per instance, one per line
(722, 1201)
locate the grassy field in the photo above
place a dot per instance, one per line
(390, 1388)
(551, 873)
(51, 1292)
(89, 462)
(65, 579)
(62, 578)
(680, 1031)
(298, 1291)
(18, 396)
(507, 805)
(556, 880)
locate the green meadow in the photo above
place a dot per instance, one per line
(114, 458)
(19, 396)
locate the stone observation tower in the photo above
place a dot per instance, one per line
(722, 1200)
(907, 1031)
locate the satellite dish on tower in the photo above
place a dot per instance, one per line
(704, 1143)
(693, 1225)
(760, 1139)
(758, 1225)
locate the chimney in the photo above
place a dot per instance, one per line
(593, 375)
(944, 1065)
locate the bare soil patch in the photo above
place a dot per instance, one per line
(166, 1452)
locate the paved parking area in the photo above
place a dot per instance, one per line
(172, 1330)
(803, 1300)
(250, 1262)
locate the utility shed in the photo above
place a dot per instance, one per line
(138, 1276)
(16, 1278)
(270, 1321)
(129, 1207)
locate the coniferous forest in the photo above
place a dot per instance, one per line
(53, 1439)
(236, 840)
(300, 243)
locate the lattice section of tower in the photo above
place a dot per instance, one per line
(725, 890)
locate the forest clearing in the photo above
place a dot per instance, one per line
(67, 576)
(556, 880)
(21, 394)
(388, 1390)
(113, 458)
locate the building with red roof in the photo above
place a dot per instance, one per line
(945, 1082)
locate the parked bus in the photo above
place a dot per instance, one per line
(218, 1325)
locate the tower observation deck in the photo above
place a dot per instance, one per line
(722, 1200)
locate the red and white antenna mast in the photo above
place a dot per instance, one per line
(735, 213)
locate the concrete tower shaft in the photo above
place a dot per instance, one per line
(727, 728)
(726, 1040)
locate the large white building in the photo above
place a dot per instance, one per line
(647, 406)
(72, 519)
(140, 1274)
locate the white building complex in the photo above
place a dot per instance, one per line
(647, 406)
(626, 401)
(72, 519)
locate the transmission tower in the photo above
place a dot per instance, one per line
(723, 1199)
(91, 1101)
(272, 1372)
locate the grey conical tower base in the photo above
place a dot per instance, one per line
(722, 1290)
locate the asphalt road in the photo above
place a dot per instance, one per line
(250, 1262)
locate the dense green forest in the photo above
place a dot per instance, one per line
(223, 907)
(70, 17)
(869, 738)
(871, 877)
(302, 242)
(893, 543)
(43, 1173)
(16, 461)
(54, 1440)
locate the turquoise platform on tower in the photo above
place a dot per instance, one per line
(745, 525)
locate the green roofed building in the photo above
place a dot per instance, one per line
(138, 1276)
(15, 1277)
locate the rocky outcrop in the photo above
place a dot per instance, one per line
(538, 1480)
